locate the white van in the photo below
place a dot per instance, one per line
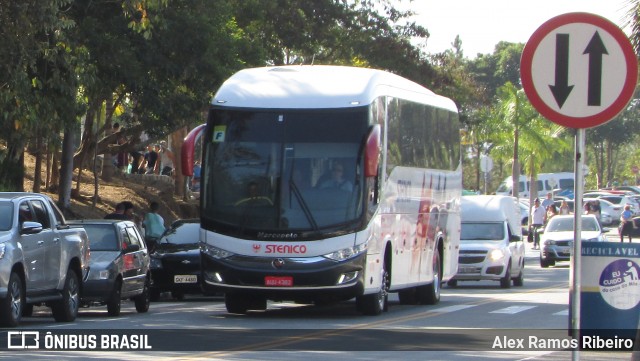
(491, 245)
(546, 183)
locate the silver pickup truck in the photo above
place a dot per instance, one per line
(43, 260)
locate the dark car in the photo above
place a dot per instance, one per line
(119, 266)
(175, 260)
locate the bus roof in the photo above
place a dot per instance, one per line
(319, 86)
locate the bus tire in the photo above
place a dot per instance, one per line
(375, 303)
(430, 294)
(408, 296)
(236, 303)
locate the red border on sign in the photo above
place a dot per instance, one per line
(579, 122)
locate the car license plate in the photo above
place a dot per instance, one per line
(278, 281)
(185, 279)
(466, 269)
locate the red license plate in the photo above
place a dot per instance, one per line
(278, 281)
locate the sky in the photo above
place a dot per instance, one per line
(481, 24)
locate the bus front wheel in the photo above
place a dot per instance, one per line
(374, 304)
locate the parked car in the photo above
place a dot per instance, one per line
(42, 259)
(175, 261)
(491, 245)
(557, 237)
(622, 201)
(119, 267)
(633, 189)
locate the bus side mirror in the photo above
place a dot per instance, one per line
(372, 154)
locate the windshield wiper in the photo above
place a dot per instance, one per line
(303, 204)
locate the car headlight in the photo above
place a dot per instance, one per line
(549, 242)
(214, 252)
(496, 254)
(347, 253)
(98, 274)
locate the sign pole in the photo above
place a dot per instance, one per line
(576, 264)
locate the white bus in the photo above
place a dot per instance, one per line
(546, 183)
(279, 222)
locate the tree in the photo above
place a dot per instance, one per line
(518, 126)
(35, 78)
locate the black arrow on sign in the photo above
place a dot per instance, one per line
(561, 89)
(595, 49)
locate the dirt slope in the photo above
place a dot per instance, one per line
(111, 193)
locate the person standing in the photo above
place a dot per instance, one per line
(150, 160)
(626, 223)
(547, 201)
(537, 215)
(153, 224)
(594, 208)
(167, 159)
(564, 208)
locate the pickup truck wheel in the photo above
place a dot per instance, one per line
(115, 301)
(143, 300)
(11, 305)
(66, 309)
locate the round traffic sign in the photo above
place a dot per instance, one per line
(486, 163)
(579, 70)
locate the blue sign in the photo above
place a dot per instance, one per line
(610, 288)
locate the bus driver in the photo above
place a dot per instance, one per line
(337, 179)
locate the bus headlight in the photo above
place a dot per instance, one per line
(347, 253)
(214, 252)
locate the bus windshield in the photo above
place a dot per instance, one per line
(283, 171)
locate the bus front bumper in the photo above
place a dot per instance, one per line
(286, 278)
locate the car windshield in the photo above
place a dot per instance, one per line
(6, 216)
(184, 233)
(566, 224)
(482, 231)
(102, 237)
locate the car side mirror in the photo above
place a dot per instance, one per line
(30, 228)
(131, 248)
(515, 238)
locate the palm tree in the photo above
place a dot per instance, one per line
(520, 128)
(633, 21)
